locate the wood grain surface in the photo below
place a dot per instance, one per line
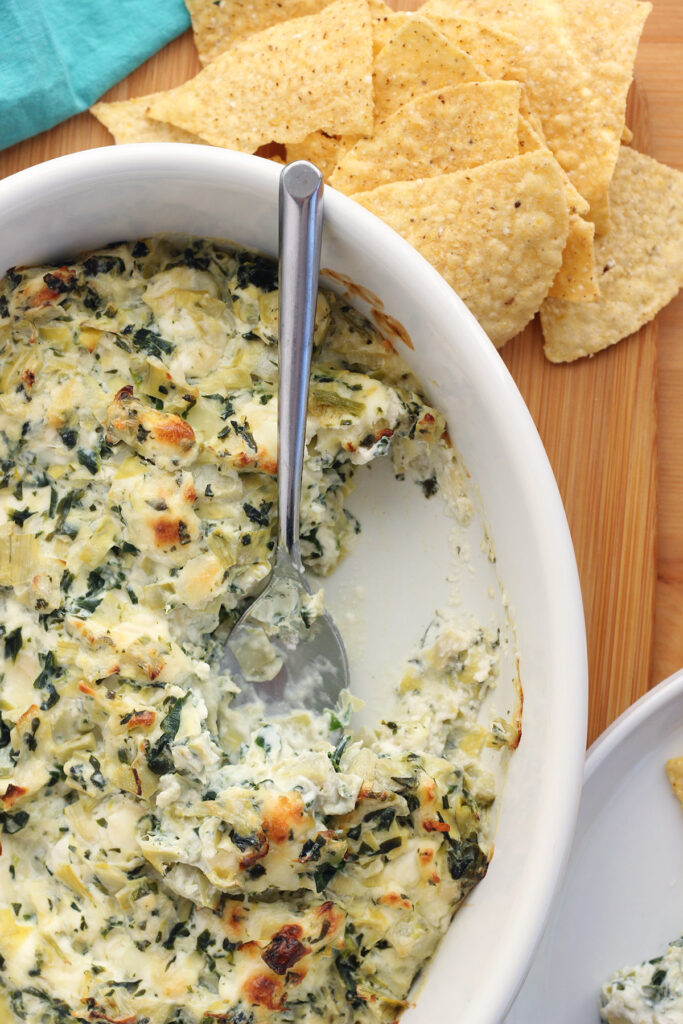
(612, 425)
(598, 421)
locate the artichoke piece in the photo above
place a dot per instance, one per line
(328, 396)
(19, 558)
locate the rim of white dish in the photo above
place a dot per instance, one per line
(522, 447)
(630, 720)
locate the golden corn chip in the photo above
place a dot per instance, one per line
(461, 126)
(607, 36)
(496, 53)
(325, 150)
(526, 111)
(385, 23)
(128, 122)
(217, 24)
(496, 233)
(577, 278)
(674, 771)
(576, 58)
(600, 214)
(385, 26)
(640, 262)
(529, 142)
(418, 59)
(279, 85)
(317, 147)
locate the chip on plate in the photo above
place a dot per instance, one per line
(448, 130)
(674, 771)
(496, 233)
(418, 59)
(128, 122)
(640, 262)
(309, 74)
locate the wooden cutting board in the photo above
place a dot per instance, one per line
(597, 419)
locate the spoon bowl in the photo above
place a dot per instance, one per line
(285, 650)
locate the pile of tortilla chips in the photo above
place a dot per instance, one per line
(489, 133)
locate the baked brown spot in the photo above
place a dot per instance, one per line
(141, 718)
(12, 794)
(430, 825)
(264, 991)
(138, 782)
(30, 713)
(279, 820)
(174, 431)
(98, 1013)
(285, 949)
(395, 899)
(333, 919)
(233, 917)
(166, 531)
(251, 858)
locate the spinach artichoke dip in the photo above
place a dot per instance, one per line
(166, 858)
(650, 993)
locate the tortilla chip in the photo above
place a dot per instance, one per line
(496, 233)
(386, 26)
(626, 135)
(640, 262)
(577, 279)
(218, 24)
(448, 130)
(496, 53)
(279, 85)
(529, 142)
(674, 771)
(526, 111)
(600, 214)
(607, 36)
(317, 147)
(128, 122)
(418, 59)
(576, 58)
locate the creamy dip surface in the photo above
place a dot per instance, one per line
(166, 858)
(649, 993)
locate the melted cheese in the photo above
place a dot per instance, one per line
(164, 857)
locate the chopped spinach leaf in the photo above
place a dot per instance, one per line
(258, 515)
(13, 643)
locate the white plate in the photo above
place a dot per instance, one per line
(622, 898)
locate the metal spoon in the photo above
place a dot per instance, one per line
(282, 651)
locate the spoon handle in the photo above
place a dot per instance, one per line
(300, 226)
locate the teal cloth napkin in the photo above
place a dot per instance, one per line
(58, 56)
